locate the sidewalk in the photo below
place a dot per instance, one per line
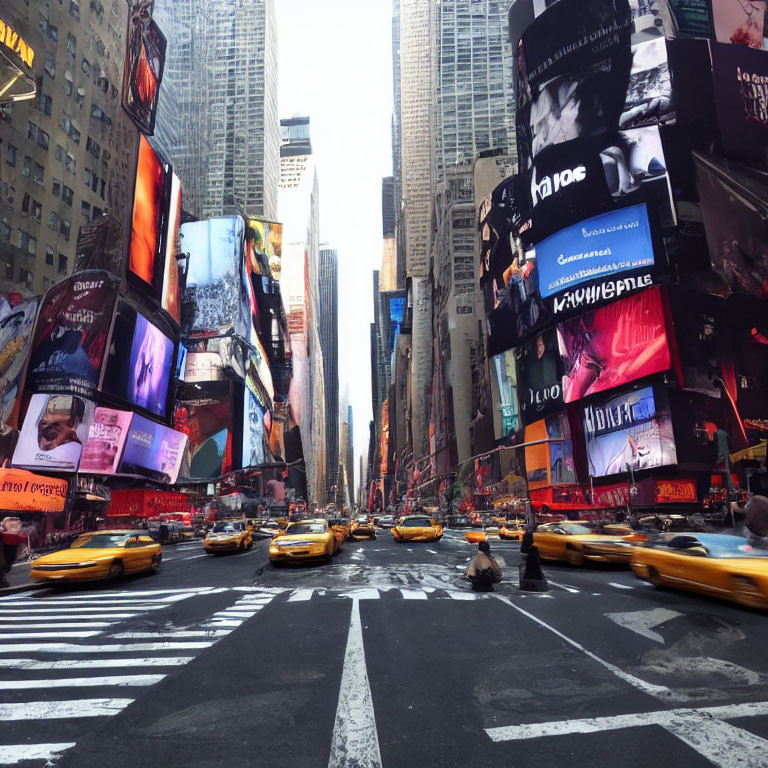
(19, 579)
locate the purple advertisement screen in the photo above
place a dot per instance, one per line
(153, 451)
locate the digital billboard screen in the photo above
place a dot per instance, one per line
(212, 297)
(148, 212)
(54, 431)
(71, 334)
(144, 63)
(171, 298)
(208, 425)
(628, 430)
(153, 451)
(107, 434)
(539, 377)
(503, 365)
(140, 362)
(549, 461)
(17, 322)
(268, 240)
(608, 244)
(253, 430)
(614, 345)
(740, 23)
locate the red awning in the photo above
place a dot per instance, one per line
(146, 503)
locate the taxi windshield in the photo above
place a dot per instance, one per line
(306, 528)
(718, 545)
(224, 528)
(416, 522)
(101, 541)
(575, 529)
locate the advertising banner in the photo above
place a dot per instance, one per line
(268, 240)
(741, 23)
(628, 430)
(253, 430)
(149, 201)
(71, 334)
(740, 76)
(539, 377)
(101, 245)
(144, 63)
(605, 245)
(504, 367)
(686, 18)
(107, 434)
(22, 491)
(54, 431)
(146, 503)
(208, 424)
(734, 207)
(153, 451)
(213, 291)
(204, 366)
(675, 491)
(140, 362)
(649, 93)
(614, 345)
(17, 321)
(171, 297)
(549, 462)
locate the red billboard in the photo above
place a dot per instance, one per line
(614, 345)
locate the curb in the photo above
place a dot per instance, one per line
(20, 588)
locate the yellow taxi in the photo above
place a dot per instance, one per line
(715, 564)
(417, 528)
(99, 555)
(512, 530)
(362, 528)
(228, 536)
(576, 542)
(306, 540)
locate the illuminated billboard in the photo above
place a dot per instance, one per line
(253, 430)
(171, 296)
(549, 461)
(503, 365)
(144, 63)
(207, 422)
(153, 451)
(212, 293)
(628, 431)
(605, 245)
(17, 322)
(148, 211)
(107, 434)
(140, 362)
(54, 431)
(268, 240)
(614, 345)
(71, 334)
(539, 377)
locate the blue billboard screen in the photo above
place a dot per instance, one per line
(614, 242)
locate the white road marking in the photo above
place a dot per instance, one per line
(44, 635)
(15, 754)
(659, 691)
(223, 623)
(84, 649)
(566, 587)
(53, 710)
(170, 633)
(642, 622)
(132, 605)
(432, 551)
(413, 594)
(80, 682)
(57, 625)
(268, 590)
(361, 594)
(455, 595)
(139, 593)
(229, 614)
(619, 586)
(704, 730)
(69, 613)
(299, 595)
(355, 742)
(39, 616)
(61, 664)
(185, 559)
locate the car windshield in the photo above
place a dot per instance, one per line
(224, 528)
(101, 541)
(718, 546)
(416, 522)
(299, 528)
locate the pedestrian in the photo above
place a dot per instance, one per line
(483, 571)
(531, 576)
(12, 538)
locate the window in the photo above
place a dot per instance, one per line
(25, 203)
(33, 130)
(44, 103)
(87, 175)
(59, 152)
(53, 33)
(70, 163)
(74, 10)
(49, 256)
(75, 134)
(67, 195)
(38, 173)
(71, 45)
(43, 139)
(65, 122)
(64, 229)
(85, 209)
(53, 223)
(97, 213)
(5, 232)
(93, 147)
(56, 188)
(27, 170)
(36, 211)
(28, 243)
(50, 64)
(10, 155)
(7, 192)
(25, 277)
(62, 263)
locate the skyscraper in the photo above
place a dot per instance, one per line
(328, 324)
(218, 117)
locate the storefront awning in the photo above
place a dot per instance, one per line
(753, 453)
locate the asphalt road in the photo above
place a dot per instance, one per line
(382, 658)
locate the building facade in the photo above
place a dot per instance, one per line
(328, 323)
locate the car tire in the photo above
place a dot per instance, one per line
(116, 569)
(654, 577)
(746, 592)
(574, 556)
(155, 567)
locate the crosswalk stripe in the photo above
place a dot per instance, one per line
(45, 635)
(139, 593)
(565, 587)
(65, 611)
(619, 586)
(117, 648)
(300, 595)
(169, 633)
(132, 604)
(413, 594)
(61, 664)
(64, 616)
(223, 623)
(56, 625)
(57, 710)
(13, 754)
(80, 682)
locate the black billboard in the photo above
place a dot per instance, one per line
(539, 377)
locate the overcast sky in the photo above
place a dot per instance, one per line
(336, 67)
